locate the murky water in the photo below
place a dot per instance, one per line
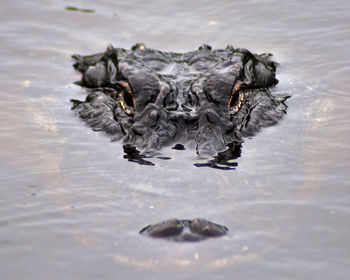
(71, 206)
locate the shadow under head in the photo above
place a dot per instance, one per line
(207, 99)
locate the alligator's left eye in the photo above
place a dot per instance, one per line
(126, 98)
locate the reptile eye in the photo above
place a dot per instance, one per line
(129, 99)
(233, 99)
(236, 98)
(126, 98)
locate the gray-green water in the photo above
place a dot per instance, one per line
(71, 206)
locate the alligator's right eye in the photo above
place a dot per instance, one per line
(236, 97)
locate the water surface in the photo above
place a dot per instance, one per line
(71, 206)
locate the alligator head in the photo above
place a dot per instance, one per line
(206, 99)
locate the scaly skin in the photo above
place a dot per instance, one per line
(206, 99)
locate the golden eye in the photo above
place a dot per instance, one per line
(126, 98)
(236, 97)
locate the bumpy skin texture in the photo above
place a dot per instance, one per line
(207, 99)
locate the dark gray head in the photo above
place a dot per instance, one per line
(206, 99)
